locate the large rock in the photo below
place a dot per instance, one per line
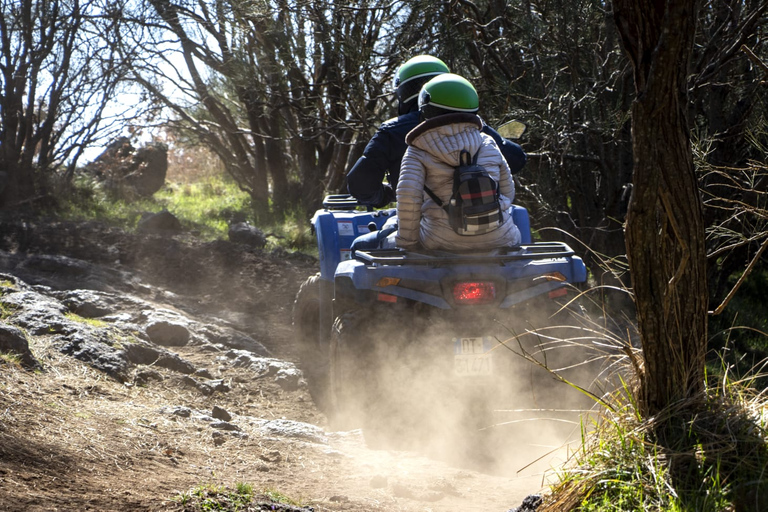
(13, 341)
(129, 171)
(160, 222)
(168, 334)
(146, 354)
(244, 233)
(151, 166)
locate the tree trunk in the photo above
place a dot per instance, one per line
(664, 229)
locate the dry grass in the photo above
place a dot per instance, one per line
(708, 453)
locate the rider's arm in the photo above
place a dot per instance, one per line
(513, 153)
(365, 179)
(410, 195)
(365, 182)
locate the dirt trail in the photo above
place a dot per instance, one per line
(72, 438)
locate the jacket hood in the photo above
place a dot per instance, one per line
(445, 136)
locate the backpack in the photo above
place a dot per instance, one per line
(474, 207)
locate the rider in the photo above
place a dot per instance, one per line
(384, 152)
(448, 104)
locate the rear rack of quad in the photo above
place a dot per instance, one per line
(537, 251)
(340, 202)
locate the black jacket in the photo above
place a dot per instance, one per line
(384, 152)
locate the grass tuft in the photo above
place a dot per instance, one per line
(93, 322)
(704, 454)
(211, 497)
(10, 358)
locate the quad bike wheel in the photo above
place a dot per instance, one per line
(349, 386)
(308, 329)
(306, 311)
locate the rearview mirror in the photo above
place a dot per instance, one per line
(511, 130)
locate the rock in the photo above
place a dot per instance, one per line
(220, 414)
(163, 222)
(530, 504)
(150, 167)
(13, 341)
(203, 373)
(129, 172)
(62, 272)
(180, 411)
(146, 354)
(272, 456)
(88, 303)
(293, 429)
(224, 425)
(218, 438)
(206, 388)
(84, 346)
(234, 339)
(290, 379)
(144, 377)
(244, 233)
(218, 385)
(168, 334)
(37, 313)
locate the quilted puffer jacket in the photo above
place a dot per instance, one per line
(433, 153)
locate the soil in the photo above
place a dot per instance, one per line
(73, 438)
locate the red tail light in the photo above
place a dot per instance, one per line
(560, 292)
(482, 292)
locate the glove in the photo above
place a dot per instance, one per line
(387, 196)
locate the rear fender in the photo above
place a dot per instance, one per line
(337, 229)
(515, 281)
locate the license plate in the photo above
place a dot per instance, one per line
(472, 356)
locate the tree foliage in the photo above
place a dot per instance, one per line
(278, 89)
(59, 69)
(288, 92)
(558, 66)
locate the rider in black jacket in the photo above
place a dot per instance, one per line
(385, 150)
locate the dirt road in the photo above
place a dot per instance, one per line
(73, 438)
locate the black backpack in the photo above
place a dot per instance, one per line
(474, 207)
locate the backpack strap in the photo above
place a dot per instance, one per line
(464, 159)
(433, 196)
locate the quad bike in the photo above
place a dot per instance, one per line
(411, 343)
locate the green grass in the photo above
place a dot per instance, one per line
(93, 322)
(204, 208)
(703, 455)
(5, 284)
(10, 358)
(211, 497)
(7, 310)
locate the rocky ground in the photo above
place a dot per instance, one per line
(159, 366)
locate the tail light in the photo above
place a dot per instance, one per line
(560, 292)
(474, 292)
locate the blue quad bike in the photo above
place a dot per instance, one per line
(410, 344)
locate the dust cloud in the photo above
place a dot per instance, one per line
(522, 419)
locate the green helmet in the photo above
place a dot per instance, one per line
(447, 93)
(414, 73)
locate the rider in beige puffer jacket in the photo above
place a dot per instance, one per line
(433, 153)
